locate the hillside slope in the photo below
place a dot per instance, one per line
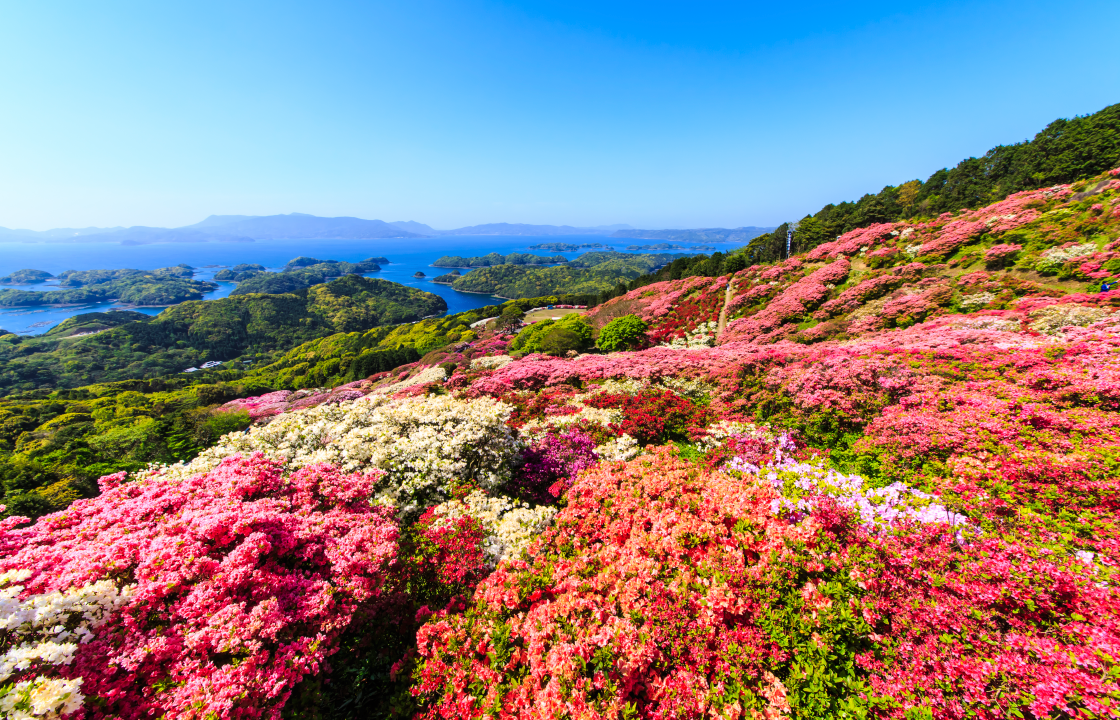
(878, 479)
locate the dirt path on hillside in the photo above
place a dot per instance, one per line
(723, 310)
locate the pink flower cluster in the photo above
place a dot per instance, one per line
(1000, 253)
(798, 299)
(852, 242)
(244, 581)
(282, 401)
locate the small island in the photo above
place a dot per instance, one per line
(448, 278)
(237, 273)
(25, 277)
(419, 274)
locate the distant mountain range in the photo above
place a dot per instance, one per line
(534, 230)
(740, 235)
(247, 228)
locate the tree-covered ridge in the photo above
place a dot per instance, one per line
(300, 273)
(163, 286)
(455, 261)
(589, 274)
(1062, 152)
(99, 347)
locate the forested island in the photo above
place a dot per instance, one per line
(300, 273)
(163, 286)
(567, 247)
(454, 261)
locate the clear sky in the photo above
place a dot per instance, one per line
(457, 112)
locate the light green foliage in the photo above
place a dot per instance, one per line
(623, 333)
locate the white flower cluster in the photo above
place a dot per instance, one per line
(424, 444)
(491, 362)
(509, 525)
(976, 300)
(986, 322)
(912, 250)
(622, 447)
(799, 483)
(44, 630)
(718, 433)
(595, 416)
(1051, 319)
(702, 336)
(41, 698)
(1054, 258)
(431, 375)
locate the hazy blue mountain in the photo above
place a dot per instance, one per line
(524, 229)
(55, 234)
(300, 226)
(415, 227)
(217, 220)
(740, 235)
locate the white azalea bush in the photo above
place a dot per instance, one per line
(509, 525)
(426, 445)
(41, 631)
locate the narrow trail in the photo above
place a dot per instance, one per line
(723, 310)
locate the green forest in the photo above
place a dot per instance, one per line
(589, 274)
(103, 347)
(1064, 151)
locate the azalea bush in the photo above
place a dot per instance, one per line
(213, 594)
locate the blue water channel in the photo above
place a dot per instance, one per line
(407, 257)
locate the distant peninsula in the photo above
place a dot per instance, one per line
(568, 247)
(454, 261)
(591, 273)
(662, 247)
(524, 229)
(739, 235)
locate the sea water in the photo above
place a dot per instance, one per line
(407, 256)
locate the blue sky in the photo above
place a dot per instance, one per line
(696, 114)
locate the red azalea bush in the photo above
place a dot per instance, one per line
(639, 601)
(243, 582)
(666, 590)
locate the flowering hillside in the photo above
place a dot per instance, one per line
(876, 480)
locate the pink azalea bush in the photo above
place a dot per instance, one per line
(242, 581)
